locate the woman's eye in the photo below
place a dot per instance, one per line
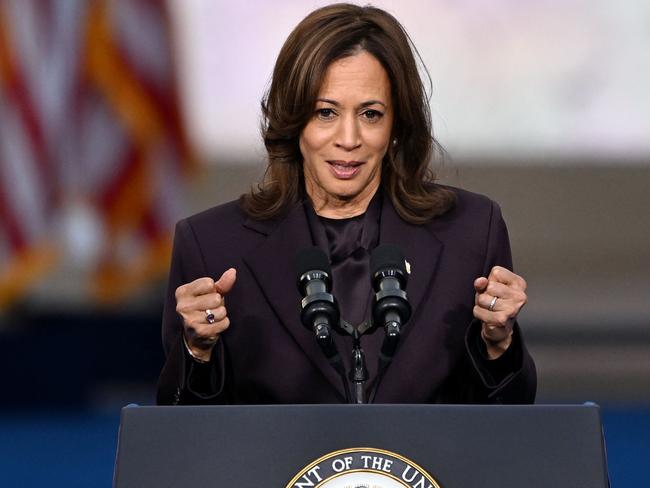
(372, 115)
(325, 113)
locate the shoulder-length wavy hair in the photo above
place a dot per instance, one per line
(324, 36)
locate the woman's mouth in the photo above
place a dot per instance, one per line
(345, 169)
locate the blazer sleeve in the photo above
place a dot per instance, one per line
(182, 379)
(512, 378)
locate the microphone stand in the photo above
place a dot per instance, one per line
(359, 372)
(355, 391)
(358, 375)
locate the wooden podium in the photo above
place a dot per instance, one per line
(300, 446)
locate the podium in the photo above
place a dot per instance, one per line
(328, 446)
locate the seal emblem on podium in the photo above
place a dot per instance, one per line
(363, 467)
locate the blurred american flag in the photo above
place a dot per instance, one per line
(89, 119)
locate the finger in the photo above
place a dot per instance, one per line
(200, 286)
(496, 289)
(505, 276)
(204, 302)
(207, 317)
(226, 282)
(205, 332)
(501, 274)
(218, 314)
(480, 284)
(485, 300)
(492, 303)
(188, 306)
(507, 294)
(497, 318)
(198, 321)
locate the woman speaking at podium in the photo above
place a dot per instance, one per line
(347, 130)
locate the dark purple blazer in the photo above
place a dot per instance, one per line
(266, 356)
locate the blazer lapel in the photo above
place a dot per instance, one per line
(421, 250)
(273, 266)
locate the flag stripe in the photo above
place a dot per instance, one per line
(13, 230)
(118, 85)
(127, 197)
(16, 91)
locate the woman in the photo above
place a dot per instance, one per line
(348, 135)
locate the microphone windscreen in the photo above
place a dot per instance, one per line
(387, 256)
(311, 259)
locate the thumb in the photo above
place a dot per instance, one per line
(226, 282)
(480, 284)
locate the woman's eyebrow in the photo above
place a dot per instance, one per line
(372, 102)
(330, 101)
(362, 104)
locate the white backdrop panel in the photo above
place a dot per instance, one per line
(511, 78)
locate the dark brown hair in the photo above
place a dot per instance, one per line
(324, 36)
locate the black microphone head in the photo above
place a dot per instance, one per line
(312, 259)
(388, 258)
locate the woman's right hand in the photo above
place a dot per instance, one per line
(194, 301)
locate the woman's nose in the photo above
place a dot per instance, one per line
(348, 136)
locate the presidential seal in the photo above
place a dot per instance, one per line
(363, 467)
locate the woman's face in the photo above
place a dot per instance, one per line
(347, 137)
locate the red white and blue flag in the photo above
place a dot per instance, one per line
(89, 125)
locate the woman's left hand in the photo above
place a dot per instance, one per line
(497, 302)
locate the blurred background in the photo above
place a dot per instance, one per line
(118, 117)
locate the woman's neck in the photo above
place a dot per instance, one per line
(341, 208)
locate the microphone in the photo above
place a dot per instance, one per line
(390, 306)
(319, 312)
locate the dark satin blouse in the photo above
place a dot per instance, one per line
(348, 243)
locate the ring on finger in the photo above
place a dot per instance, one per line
(492, 303)
(209, 316)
